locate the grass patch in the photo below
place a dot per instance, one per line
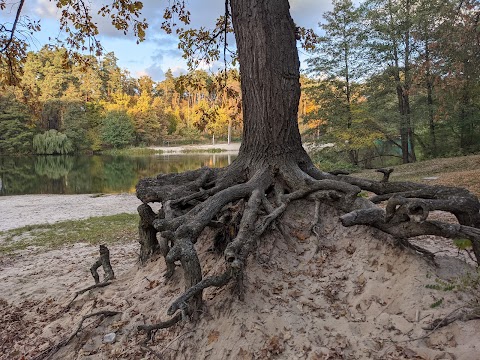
(95, 230)
(210, 151)
(133, 151)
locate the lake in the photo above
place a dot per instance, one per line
(93, 174)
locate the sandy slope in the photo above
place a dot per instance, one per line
(359, 297)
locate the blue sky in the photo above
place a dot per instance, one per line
(159, 51)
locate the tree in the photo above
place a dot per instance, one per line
(272, 170)
(272, 164)
(391, 44)
(52, 142)
(338, 58)
(117, 129)
(458, 41)
(16, 137)
(110, 75)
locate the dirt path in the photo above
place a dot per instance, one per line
(23, 210)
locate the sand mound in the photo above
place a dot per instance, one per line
(359, 297)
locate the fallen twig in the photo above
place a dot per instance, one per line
(52, 350)
(80, 292)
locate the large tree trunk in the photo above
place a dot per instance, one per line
(242, 201)
(270, 79)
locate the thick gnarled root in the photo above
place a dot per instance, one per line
(240, 207)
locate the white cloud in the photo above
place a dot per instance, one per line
(308, 13)
(177, 71)
(45, 9)
(154, 71)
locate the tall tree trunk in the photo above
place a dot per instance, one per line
(402, 89)
(407, 86)
(431, 115)
(269, 69)
(403, 123)
(353, 154)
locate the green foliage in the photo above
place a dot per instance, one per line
(329, 159)
(76, 124)
(117, 130)
(442, 285)
(15, 135)
(133, 151)
(462, 244)
(52, 142)
(436, 303)
(70, 92)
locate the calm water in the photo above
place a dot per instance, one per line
(93, 174)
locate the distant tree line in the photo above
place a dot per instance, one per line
(66, 103)
(397, 77)
(402, 72)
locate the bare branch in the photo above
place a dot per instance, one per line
(14, 26)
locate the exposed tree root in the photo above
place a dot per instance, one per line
(217, 281)
(461, 314)
(149, 329)
(379, 219)
(104, 262)
(80, 292)
(241, 203)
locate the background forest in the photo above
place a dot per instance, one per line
(386, 77)
(66, 103)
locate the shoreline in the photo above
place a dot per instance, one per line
(231, 148)
(17, 211)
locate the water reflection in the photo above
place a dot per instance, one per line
(93, 174)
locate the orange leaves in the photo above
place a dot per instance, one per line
(176, 11)
(213, 336)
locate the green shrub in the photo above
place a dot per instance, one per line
(117, 130)
(52, 142)
(15, 136)
(329, 159)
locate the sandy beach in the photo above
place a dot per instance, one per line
(231, 148)
(22, 210)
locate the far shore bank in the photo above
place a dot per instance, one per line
(231, 148)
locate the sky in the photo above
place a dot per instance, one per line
(159, 51)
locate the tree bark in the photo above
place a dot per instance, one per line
(270, 80)
(429, 85)
(147, 233)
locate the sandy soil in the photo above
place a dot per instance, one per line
(359, 297)
(22, 210)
